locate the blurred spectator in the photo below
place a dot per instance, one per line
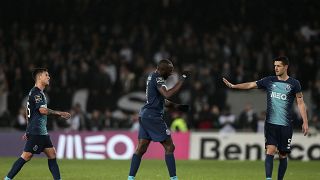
(215, 111)
(21, 122)
(179, 123)
(78, 119)
(126, 79)
(205, 119)
(135, 122)
(315, 121)
(261, 122)
(248, 118)
(108, 120)
(96, 121)
(3, 91)
(308, 33)
(227, 121)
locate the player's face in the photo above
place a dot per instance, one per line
(45, 78)
(280, 68)
(168, 71)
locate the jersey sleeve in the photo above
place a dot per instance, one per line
(160, 82)
(297, 87)
(39, 100)
(262, 83)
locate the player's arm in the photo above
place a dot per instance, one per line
(47, 111)
(167, 93)
(247, 85)
(303, 112)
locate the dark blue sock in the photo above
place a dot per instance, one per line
(268, 165)
(282, 168)
(171, 164)
(16, 167)
(135, 163)
(54, 168)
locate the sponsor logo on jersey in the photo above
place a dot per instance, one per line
(278, 95)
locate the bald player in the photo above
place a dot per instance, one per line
(152, 124)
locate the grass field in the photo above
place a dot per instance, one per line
(37, 169)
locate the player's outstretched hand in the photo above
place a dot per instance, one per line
(183, 107)
(65, 115)
(227, 83)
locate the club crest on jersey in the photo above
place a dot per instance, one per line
(35, 147)
(160, 80)
(37, 98)
(288, 88)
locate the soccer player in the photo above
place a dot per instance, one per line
(36, 134)
(152, 124)
(281, 92)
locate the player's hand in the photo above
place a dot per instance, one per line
(227, 83)
(65, 115)
(185, 75)
(305, 129)
(183, 107)
(24, 137)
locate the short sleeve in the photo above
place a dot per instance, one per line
(262, 83)
(160, 81)
(39, 100)
(297, 87)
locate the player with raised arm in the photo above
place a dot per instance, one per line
(36, 134)
(152, 124)
(281, 92)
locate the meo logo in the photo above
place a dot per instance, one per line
(94, 147)
(278, 95)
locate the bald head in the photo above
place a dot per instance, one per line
(164, 63)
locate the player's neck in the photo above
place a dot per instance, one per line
(40, 86)
(283, 77)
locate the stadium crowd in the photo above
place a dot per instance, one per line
(109, 47)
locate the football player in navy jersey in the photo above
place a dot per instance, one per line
(36, 134)
(281, 90)
(152, 124)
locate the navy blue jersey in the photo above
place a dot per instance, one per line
(154, 106)
(280, 98)
(37, 123)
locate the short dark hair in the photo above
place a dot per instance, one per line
(37, 71)
(283, 59)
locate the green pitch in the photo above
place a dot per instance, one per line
(37, 169)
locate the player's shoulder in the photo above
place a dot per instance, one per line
(34, 90)
(158, 78)
(294, 81)
(269, 78)
(272, 78)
